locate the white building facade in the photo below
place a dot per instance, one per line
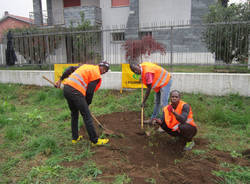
(168, 21)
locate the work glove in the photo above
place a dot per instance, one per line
(170, 108)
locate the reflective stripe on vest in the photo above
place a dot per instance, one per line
(159, 79)
(189, 120)
(172, 122)
(161, 76)
(82, 76)
(176, 127)
(78, 82)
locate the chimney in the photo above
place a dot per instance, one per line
(6, 13)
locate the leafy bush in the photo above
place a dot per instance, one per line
(147, 45)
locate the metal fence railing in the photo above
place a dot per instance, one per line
(207, 44)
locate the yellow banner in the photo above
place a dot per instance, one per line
(129, 78)
(60, 68)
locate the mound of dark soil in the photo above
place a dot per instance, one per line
(158, 157)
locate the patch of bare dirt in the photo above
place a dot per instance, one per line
(158, 156)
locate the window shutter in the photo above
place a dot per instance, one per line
(70, 3)
(119, 3)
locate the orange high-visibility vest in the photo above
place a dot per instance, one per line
(161, 76)
(170, 119)
(82, 76)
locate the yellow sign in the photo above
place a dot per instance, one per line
(129, 78)
(60, 68)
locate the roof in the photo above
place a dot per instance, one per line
(23, 19)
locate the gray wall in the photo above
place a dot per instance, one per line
(90, 3)
(113, 16)
(199, 9)
(37, 8)
(164, 12)
(184, 39)
(57, 12)
(133, 21)
(206, 83)
(73, 15)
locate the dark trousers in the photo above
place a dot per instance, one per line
(77, 102)
(187, 131)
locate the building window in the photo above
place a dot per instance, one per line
(70, 3)
(119, 3)
(145, 33)
(118, 36)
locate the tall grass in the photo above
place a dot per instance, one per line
(43, 144)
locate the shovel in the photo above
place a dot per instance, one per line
(105, 130)
(142, 131)
(49, 81)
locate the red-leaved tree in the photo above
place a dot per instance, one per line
(136, 48)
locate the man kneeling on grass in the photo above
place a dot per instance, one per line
(177, 120)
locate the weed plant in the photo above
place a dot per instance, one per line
(237, 174)
(122, 179)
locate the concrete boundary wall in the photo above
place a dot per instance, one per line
(205, 83)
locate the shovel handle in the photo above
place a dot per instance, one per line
(142, 107)
(97, 121)
(109, 132)
(49, 81)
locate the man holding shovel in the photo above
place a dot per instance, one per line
(177, 120)
(79, 86)
(158, 79)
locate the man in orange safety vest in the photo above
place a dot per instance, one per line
(157, 78)
(178, 120)
(79, 86)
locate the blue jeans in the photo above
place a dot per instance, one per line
(161, 99)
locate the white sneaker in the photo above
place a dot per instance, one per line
(160, 130)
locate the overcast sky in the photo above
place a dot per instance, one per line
(23, 7)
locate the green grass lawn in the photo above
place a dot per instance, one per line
(35, 133)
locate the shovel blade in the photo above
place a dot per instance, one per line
(108, 132)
